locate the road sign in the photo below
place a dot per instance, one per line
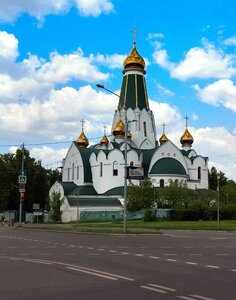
(38, 213)
(21, 190)
(135, 173)
(22, 179)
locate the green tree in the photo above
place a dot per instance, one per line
(55, 206)
(140, 196)
(39, 181)
(212, 175)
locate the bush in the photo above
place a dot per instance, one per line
(149, 215)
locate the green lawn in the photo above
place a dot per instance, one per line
(138, 227)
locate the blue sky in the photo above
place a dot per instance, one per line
(52, 54)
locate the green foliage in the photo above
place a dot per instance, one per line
(38, 183)
(213, 179)
(55, 206)
(149, 215)
(140, 196)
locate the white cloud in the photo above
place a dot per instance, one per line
(221, 92)
(230, 41)
(111, 61)
(8, 46)
(218, 144)
(62, 68)
(94, 7)
(164, 90)
(162, 59)
(34, 77)
(155, 36)
(49, 120)
(206, 62)
(11, 10)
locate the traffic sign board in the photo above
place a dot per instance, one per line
(21, 190)
(22, 179)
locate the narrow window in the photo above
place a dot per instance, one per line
(162, 183)
(145, 128)
(77, 172)
(73, 171)
(101, 166)
(68, 174)
(199, 173)
(115, 168)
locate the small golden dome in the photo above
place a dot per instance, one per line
(82, 140)
(119, 128)
(134, 59)
(186, 138)
(163, 138)
(104, 140)
(129, 135)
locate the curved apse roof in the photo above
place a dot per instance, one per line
(168, 166)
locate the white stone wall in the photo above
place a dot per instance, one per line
(108, 181)
(70, 171)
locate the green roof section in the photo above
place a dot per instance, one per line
(84, 190)
(68, 187)
(133, 92)
(115, 191)
(147, 156)
(82, 201)
(168, 166)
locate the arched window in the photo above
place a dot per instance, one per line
(77, 172)
(199, 173)
(115, 168)
(162, 183)
(101, 169)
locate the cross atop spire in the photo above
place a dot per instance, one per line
(134, 31)
(82, 121)
(186, 118)
(105, 127)
(163, 126)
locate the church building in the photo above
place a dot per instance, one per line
(93, 177)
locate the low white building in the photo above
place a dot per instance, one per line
(93, 177)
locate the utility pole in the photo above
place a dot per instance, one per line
(20, 181)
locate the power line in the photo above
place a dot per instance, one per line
(46, 143)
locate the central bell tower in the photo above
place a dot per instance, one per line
(134, 99)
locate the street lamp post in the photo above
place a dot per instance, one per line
(218, 201)
(100, 86)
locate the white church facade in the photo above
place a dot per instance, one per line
(93, 177)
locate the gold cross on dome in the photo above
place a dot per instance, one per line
(163, 126)
(82, 121)
(134, 31)
(186, 118)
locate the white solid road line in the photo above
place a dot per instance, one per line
(191, 263)
(153, 289)
(37, 261)
(186, 298)
(162, 287)
(157, 288)
(154, 257)
(213, 267)
(92, 273)
(201, 297)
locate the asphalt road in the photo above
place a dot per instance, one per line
(190, 265)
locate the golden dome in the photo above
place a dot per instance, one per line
(163, 138)
(119, 128)
(104, 140)
(134, 59)
(82, 140)
(129, 135)
(186, 138)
